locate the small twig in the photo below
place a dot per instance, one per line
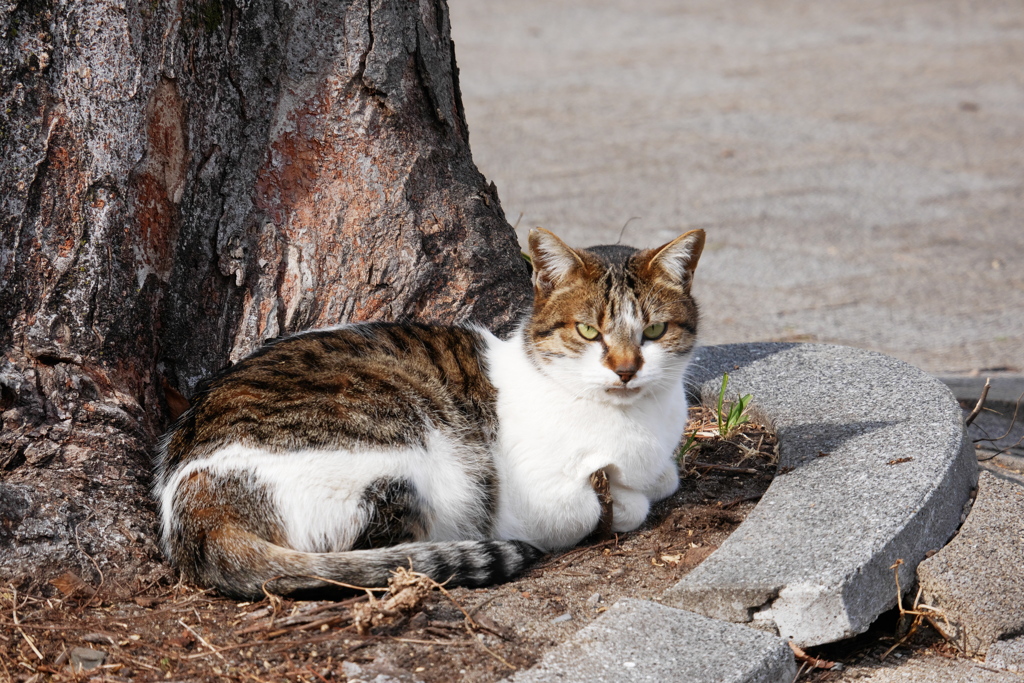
(742, 499)
(998, 453)
(725, 468)
(31, 644)
(310, 670)
(424, 642)
(484, 603)
(138, 662)
(345, 585)
(274, 599)
(249, 675)
(471, 625)
(6, 670)
(945, 636)
(444, 591)
(910, 632)
(251, 643)
(145, 588)
(201, 639)
(1013, 421)
(493, 653)
(815, 662)
(42, 627)
(14, 603)
(899, 593)
(573, 553)
(919, 611)
(980, 404)
(329, 621)
(305, 619)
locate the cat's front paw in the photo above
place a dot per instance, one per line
(629, 509)
(603, 488)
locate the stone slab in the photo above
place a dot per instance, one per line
(874, 468)
(1007, 654)
(978, 579)
(638, 640)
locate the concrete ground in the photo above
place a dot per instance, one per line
(858, 164)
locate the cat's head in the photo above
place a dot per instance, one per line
(612, 323)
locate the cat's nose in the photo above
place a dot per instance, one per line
(624, 364)
(626, 372)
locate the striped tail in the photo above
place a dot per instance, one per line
(238, 573)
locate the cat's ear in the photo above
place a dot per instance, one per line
(677, 259)
(553, 260)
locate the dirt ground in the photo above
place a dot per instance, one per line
(167, 631)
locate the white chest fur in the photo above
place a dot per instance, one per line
(551, 440)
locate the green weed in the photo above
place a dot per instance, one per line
(731, 415)
(686, 447)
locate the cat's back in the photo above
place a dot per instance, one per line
(365, 386)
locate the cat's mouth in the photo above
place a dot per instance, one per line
(623, 391)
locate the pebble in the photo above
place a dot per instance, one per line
(86, 659)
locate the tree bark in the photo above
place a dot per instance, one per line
(181, 181)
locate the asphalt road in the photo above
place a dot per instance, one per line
(858, 165)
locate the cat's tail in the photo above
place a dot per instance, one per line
(249, 566)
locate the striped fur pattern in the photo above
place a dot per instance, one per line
(341, 454)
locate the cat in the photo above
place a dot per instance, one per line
(344, 453)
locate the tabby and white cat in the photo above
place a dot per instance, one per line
(346, 452)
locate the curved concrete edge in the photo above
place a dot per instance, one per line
(874, 468)
(638, 640)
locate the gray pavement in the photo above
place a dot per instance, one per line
(858, 164)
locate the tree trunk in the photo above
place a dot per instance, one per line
(181, 181)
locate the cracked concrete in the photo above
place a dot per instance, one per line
(874, 468)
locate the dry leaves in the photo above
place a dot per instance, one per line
(407, 591)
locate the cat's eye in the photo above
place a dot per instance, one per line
(654, 330)
(588, 332)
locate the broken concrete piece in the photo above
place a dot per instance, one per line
(637, 640)
(874, 467)
(977, 580)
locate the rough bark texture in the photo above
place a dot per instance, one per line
(179, 182)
